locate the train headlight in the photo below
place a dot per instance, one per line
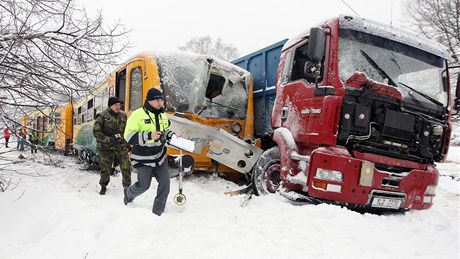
(236, 127)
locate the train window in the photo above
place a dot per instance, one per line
(215, 86)
(90, 103)
(135, 89)
(120, 87)
(97, 101)
(90, 115)
(226, 97)
(57, 118)
(45, 123)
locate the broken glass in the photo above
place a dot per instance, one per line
(404, 64)
(207, 87)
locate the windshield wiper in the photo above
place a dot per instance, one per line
(218, 104)
(233, 108)
(385, 75)
(424, 95)
(379, 69)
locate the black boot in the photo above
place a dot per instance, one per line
(126, 200)
(158, 213)
(103, 190)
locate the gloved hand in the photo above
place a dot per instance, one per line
(162, 139)
(118, 139)
(154, 135)
(169, 137)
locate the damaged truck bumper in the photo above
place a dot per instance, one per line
(369, 180)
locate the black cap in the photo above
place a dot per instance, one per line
(113, 100)
(154, 94)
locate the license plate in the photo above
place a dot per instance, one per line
(387, 203)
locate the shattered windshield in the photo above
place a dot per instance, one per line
(206, 87)
(404, 64)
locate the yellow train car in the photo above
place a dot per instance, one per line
(202, 89)
(64, 127)
(84, 111)
(40, 124)
(51, 126)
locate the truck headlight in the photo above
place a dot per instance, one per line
(328, 175)
(438, 130)
(367, 174)
(430, 189)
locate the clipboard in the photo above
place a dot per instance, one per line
(182, 143)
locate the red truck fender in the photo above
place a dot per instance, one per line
(289, 153)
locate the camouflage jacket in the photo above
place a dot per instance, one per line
(108, 129)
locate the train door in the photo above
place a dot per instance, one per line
(136, 76)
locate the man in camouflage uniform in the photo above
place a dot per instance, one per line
(111, 146)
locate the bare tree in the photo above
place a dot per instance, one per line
(438, 20)
(205, 45)
(50, 50)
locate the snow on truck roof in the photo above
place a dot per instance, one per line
(395, 34)
(354, 23)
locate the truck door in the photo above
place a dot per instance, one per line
(297, 107)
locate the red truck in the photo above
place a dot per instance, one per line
(361, 112)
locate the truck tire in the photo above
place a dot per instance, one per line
(266, 175)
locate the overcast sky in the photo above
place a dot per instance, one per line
(248, 25)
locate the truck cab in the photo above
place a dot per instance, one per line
(361, 114)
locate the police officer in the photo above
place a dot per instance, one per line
(111, 146)
(147, 129)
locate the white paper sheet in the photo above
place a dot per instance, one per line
(182, 143)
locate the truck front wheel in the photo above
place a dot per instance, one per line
(266, 175)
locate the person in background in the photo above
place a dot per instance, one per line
(33, 142)
(147, 129)
(6, 135)
(111, 146)
(21, 137)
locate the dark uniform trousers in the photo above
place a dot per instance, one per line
(144, 179)
(107, 158)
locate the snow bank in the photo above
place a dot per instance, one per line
(60, 215)
(455, 137)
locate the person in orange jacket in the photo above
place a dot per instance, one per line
(6, 135)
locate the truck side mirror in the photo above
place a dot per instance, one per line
(316, 44)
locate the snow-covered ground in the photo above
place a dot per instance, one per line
(56, 212)
(455, 138)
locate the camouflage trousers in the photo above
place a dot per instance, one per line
(108, 159)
